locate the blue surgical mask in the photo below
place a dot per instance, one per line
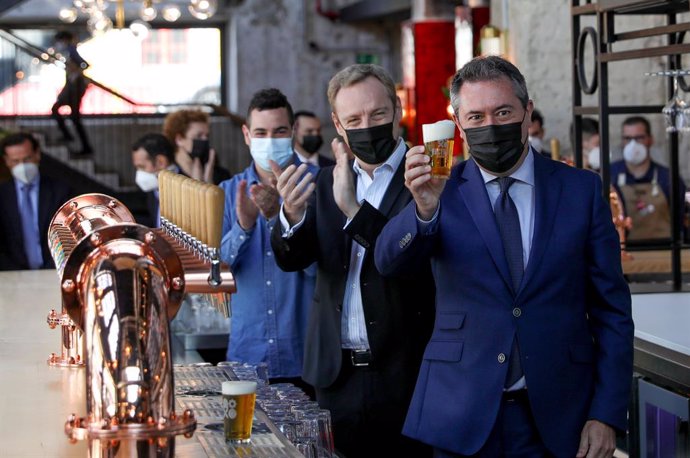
(278, 150)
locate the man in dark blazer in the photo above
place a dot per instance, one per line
(22, 155)
(308, 139)
(365, 333)
(531, 353)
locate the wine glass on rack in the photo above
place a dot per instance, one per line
(676, 111)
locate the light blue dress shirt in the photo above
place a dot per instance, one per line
(522, 193)
(270, 307)
(353, 326)
(36, 250)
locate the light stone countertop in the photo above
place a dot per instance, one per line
(35, 398)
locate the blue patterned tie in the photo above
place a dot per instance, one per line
(509, 227)
(32, 243)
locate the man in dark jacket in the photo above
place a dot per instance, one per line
(28, 203)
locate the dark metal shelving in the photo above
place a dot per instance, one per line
(602, 38)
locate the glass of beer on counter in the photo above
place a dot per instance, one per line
(238, 406)
(438, 142)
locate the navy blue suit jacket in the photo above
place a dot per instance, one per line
(572, 313)
(325, 162)
(52, 194)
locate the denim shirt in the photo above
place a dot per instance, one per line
(270, 307)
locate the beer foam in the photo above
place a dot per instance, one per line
(440, 130)
(235, 387)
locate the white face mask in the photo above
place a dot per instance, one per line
(593, 158)
(147, 181)
(634, 153)
(25, 172)
(536, 143)
(278, 150)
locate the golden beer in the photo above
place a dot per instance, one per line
(438, 143)
(238, 407)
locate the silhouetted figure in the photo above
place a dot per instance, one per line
(73, 91)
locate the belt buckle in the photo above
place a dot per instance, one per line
(354, 361)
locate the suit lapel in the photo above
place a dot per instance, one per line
(473, 192)
(44, 195)
(347, 240)
(12, 207)
(395, 187)
(547, 191)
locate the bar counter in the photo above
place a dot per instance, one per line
(653, 262)
(36, 398)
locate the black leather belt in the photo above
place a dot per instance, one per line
(515, 395)
(358, 358)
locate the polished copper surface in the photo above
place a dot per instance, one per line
(125, 285)
(72, 341)
(76, 219)
(120, 241)
(79, 217)
(121, 284)
(621, 222)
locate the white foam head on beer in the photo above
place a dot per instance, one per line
(440, 130)
(235, 387)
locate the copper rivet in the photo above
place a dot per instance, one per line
(74, 204)
(177, 283)
(112, 204)
(96, 239)
(150, 237)
(68, 286)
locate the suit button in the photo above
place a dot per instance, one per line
(517, 312)
(339, 308)
(501, 358)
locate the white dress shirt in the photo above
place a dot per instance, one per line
(353, 326)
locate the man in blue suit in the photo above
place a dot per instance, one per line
(531, 353)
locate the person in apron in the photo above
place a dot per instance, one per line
(643, 185)
(648, 208)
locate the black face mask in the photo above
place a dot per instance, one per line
(496, 147)
(200, 149)
(373, 145)
(312, 143)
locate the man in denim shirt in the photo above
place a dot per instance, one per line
(270, 308)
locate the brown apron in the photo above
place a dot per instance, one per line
(647, 206)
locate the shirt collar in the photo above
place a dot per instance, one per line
(19, 185)
(524, 173)
(253, 176)
(314, 159)
(393, 161)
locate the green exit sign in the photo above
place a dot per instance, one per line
(366, 58)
